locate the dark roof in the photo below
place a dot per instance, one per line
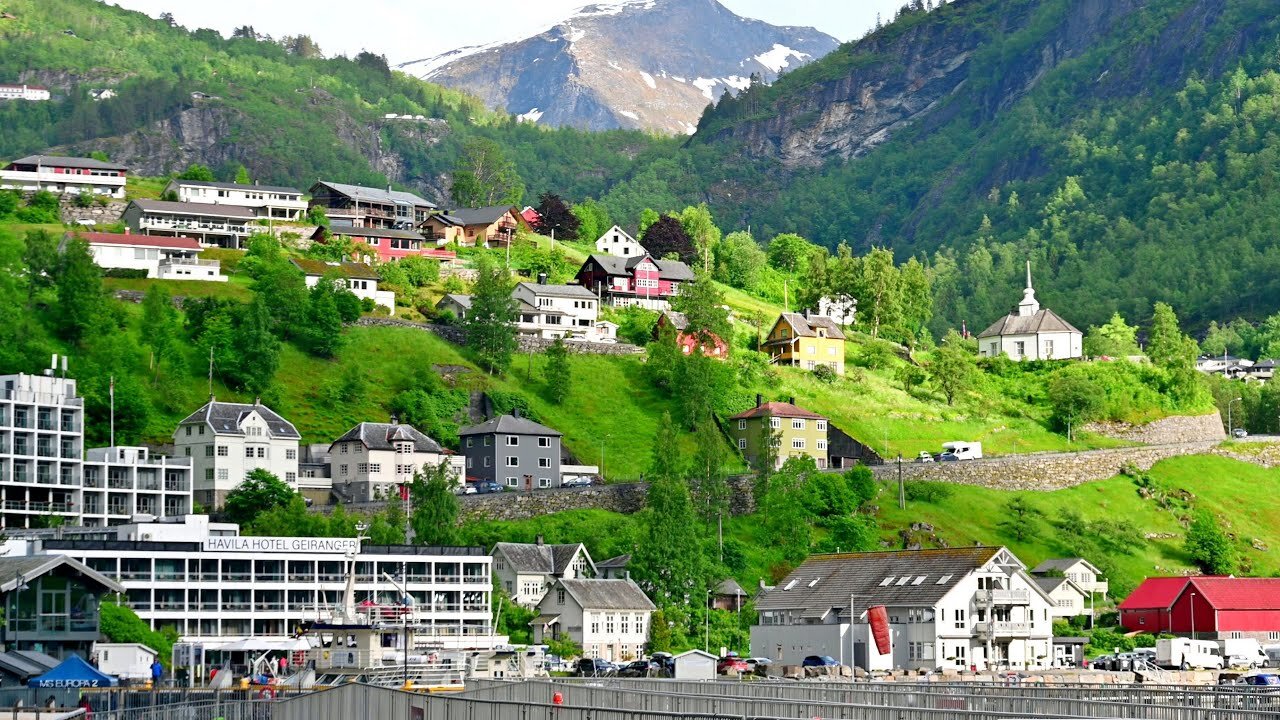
(33, 566)
(825, 582)
(1045, 320)
(225, 418)
(620, 561)
(777, 409)
(808, 326)
(481, 215)
(185, 208)
(552, 290)
(73, 162)
(460, 299)
(101, 238)
(379, 195)
(667, 269)
(1070, 640)
(608, 594)
(352, 231)
(730, 587)
(675, 319)
(537, 558)
(356, 270)
(1155, 593)
(1049, 584)
(509, 425)
(237, 186)
(1268, 363)
(380, 436)
(1062, 564)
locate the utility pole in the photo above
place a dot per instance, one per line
(902, 491)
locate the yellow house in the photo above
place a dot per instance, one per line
(806, 341)
(795, 432)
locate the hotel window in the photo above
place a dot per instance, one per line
(513, 461)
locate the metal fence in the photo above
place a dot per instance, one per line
(870, 700)
(200, 710)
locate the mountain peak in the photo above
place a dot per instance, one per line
(600, 69)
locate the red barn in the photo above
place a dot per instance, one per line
(1206, 607)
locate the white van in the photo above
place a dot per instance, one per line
(1184, 654)
(1243, 652)
(963, 450)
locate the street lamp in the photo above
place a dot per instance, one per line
(1230, 425)
(602, 443)
(1193, 616)
(706, 621)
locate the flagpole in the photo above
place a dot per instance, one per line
(112, 392)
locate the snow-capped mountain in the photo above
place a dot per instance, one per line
(652, 64)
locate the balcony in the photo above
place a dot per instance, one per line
(38, 507)
(1002, 629)
(193, 262)
(1003, 597)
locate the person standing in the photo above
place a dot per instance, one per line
(157, 672)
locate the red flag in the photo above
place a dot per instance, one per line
(878, 616)
(404, 493)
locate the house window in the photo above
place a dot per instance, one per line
(342, 469)
(513, 440)
(343, 448)
(560, 596)
(960, 624)
(468, 463)
(609, 621)
(797, 444)
(544, 462)
(775, 423)
(811, 350)
(513, 461)
(290, 477)
(290, 454)
(544, 482)
(1020, 349)
(822, 425)
(262, 452)
(224, 474)
(488, 440)
(487, 461)
(208, 451)
(362, 468)
(513, 482)
(470, 442)
(595, 624)
(222, 451)
(544, 442)
(822, 444)
(625, 624)
(742, 443)
(1048, 348)
(742, 424)
(208, 474)
(375, 467)
(188, 431)
(248, 452)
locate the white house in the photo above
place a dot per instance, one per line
(551, 311)
(1031, 333)
(360, 279)
(1068, 599)
(226, 441)
(33, 93)
(948, 608)
(267, 201)
(609, 619)
(617, 242)
(525, 571)
(222, 225)
(166, 258)
(373, 459)
(1083, 573)
(61, 175)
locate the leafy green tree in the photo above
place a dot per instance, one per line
(242, 176)
(666, 238)
(490, 325)
(485, 177)
(699, 225)
(1021, 519)
(791, 253)
(1175, 353)
(557, 374)
(785, 508)
(916, 295)
(260, 492)
(1210, 547)
(322, 334)
(953, 369)
(880, 298)
(161, 327)
(419, 271)
(910, 376)
(648, 217)
(1114, 339)
(254, 352)
(120, 624)
(740, 261)
(555, 216)
(197, 172)
(669, 562)
(1076, 398)
(511, 619)
(563, 647)
(662, 361)
(40, 255)
(709, 483)
(862, 482)
(593, 220)
(434, 515)
(82, 303)
(703, 306)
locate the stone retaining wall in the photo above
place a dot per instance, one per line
(622, 498)
(99, 214)
(457, 336)
(1166, 431)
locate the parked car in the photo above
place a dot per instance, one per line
(759, 665)
(948, 457)
(488, 486)
(732, 665)
(1102, 662)
(666, 661)
(594, 667)
(819, 661)
(1240, 433)
(577, 481)
(466, 489)
(924, 457)
(641, 668)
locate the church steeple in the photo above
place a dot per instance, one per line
(1029, 305)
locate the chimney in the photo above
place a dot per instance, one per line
(538, 540)
(126, 230)
(395, 420)
(515, 412)
(542, 278)
(792, 400)
(805, 313)
(257, 401)
(759, 399)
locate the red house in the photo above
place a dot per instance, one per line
(639, 280)
(389, 244)
(1206, 607)
(712, 347)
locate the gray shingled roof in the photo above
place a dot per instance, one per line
(379, 195)
(1045, 320)
(730, 587)
(186, 208)
(667, 269)
(381, 436)
(538, 558)
(565, 291)
(509, 425)
(224, 418)
(236, 186)
(620, 561)
(608, 594)
(72, 162)
(357, 270)
(31, 567)
(462, 300)
(825, 582)
(677, 320)
(1060, 564)
(807, 326)
(481, 215)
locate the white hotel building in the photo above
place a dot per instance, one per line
(212, 585)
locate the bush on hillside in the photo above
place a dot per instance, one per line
(925, 491)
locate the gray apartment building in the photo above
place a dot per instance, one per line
(513, 451)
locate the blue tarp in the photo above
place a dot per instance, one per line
(73, 673)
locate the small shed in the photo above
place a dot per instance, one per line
(1069, 651)
(695, 665)
(125, 660)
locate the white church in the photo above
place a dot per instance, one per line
(1032, 333)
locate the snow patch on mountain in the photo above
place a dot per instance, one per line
(648, 80)
(779, 57)
(531, 116)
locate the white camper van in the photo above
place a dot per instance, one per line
(1243, 652)
(1184, 654)
(963, 450)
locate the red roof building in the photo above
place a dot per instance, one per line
(531, 216)
(132, 240)
(1206, 607)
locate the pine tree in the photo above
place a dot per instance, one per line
(558, 374)
(710, 484)
(322, 334)
(669, 563)
(40, 254)
(242, 176)
(703, 306)
(490, 323)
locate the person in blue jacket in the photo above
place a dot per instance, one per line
(157, 672)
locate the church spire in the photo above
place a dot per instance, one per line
(1029, 304)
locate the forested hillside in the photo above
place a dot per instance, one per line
(276, 106)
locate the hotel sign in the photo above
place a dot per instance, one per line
(282, 544)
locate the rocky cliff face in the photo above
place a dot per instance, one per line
(652, 64)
